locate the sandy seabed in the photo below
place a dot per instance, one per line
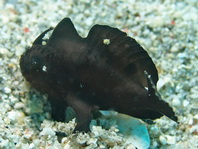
(168, 30)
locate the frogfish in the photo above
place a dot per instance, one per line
(105, 70)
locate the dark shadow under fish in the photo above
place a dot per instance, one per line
(105, 70)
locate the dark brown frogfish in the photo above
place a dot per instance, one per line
(105, 70)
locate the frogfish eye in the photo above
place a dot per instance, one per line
(35, 64)
(35, 60)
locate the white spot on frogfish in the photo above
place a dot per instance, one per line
(44, 43)
(106, 41)
(44, 68)
(81, 85)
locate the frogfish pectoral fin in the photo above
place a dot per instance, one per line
(83, 112)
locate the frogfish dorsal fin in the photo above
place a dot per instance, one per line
(64, 30)
(123, 52)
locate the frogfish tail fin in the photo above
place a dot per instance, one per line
(157, 103)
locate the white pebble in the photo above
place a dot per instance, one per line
(92, 141)
(16, 116)
(36, 142)
(13, 99)
(185, 103)
(196, 116)
(7, 90)
(4, 51)
(67, 146)
(7, 107)
(31, 145)
(19, 105)
(190, 122)
(175, 48)
(130, 147)
(163, 140)
(156, 21)
(12, 115)
(155, 130)
(64, 140)
(163, 81)
(176, 101)
(6, 120)
(47, 131)
(170, 139)
(4, 143)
